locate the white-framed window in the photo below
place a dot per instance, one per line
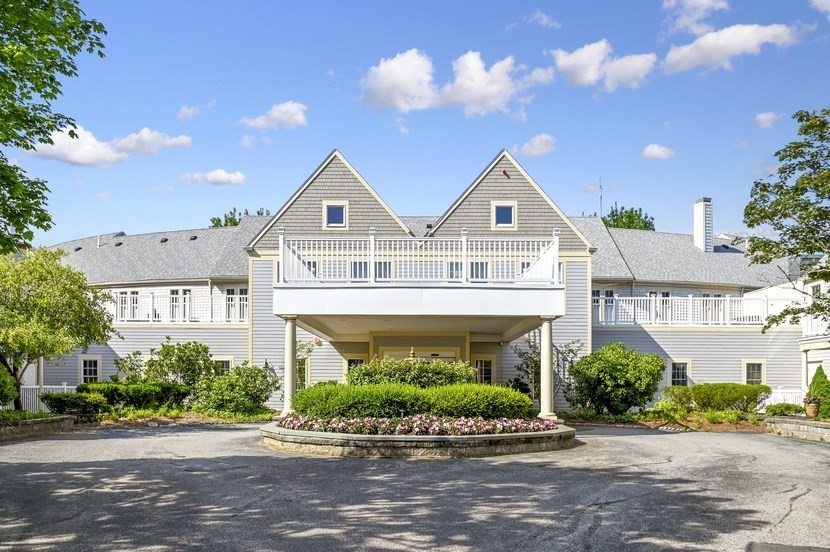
(236, 304)
(89, 368)
(454, 270)
(485, 366)
(352, 360)
(303, 373)
(754, 370)
(383, 270)
(336, 214)
(815, 290)
(134, 309)
(503, 215)
(360, 270)
(681, 371)
(478, 270)
(225, 363)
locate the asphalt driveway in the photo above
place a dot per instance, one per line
(217, 488)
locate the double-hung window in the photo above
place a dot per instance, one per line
(680, 373)
(89, 369)
(754, 371)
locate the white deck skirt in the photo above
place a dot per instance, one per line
(394, 300)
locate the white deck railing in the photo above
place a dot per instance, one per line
(812, 326)
(166, 308)
(407, 260)
(31, 396)
(685, 311)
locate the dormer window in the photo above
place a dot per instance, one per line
(336, 214)
(503, 215)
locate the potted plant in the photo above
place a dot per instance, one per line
(811, 405)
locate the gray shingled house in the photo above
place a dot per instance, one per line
(336, 266)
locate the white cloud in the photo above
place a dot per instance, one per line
(767, 119)
(401, 124)
(539, 145)
(822, 6)
(687, 15)
(405, 83)
(590, 189)
(102, 196)
(478, 89)
(717, 48)
(247, 141)
(587, 65)
(148, 142)
(628, 71)
(188, 112)
(287, 115)
(84, 150)
(544, 20)
(656, 151)
(217, 177)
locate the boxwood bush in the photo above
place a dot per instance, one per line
(729, 396)
(784, 409)
(84, 405)
(411, 371)
(139, 395)
(388, 400)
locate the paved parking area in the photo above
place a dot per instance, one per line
(217, 488)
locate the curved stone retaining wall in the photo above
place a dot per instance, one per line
(797, 426)
(39, 426)
(414, 446)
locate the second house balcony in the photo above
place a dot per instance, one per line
(509, 279)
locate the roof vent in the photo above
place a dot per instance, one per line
(119, 234)
(163, 240)
(119, 244)
(193, 238)
(429, 226)
(78, 248)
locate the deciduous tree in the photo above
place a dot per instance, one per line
(46, 310)
(622, 217)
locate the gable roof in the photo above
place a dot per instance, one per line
(504, 154)
(215, 253)
(334, 154)
(673, 258)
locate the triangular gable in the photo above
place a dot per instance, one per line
(335, 154)
(504, 154)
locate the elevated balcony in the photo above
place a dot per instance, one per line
(141, 307)
(685, 311)
(344, 287)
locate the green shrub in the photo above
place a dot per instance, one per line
(820, 387)
(18, 415)
(728, 396)
(390, 400)
(242, 390)
(784, 409)
(139, 395)
(713, 416)
(732, 416)
(472, 400)
(411, 371)
(130, 368)
(614, 379)
(185, 363)
(8, 387)
(84, 405)
(679, 396)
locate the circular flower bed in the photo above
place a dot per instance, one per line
(414, 425)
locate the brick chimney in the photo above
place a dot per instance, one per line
(704, 225)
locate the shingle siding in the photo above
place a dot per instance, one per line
(534, 215)
(304, 217)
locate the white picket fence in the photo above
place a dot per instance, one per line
(792, 396)
(31, 396)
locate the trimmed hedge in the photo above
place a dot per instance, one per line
(784, 409)
(679, 396)
(389, 400)
(411, 371)
(83, 405)
(729, 396)
(139, 395)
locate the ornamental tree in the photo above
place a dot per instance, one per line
(621, 217)
(795, 203)
(39, 41)
(47, 310)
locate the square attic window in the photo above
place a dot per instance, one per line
(504, 214)
(335, 215)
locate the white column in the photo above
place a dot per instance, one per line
(371, 267)
(555, 246)
(546, 380)
(290, 372)
(464, 255)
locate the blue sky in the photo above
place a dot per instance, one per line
(201, 106)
